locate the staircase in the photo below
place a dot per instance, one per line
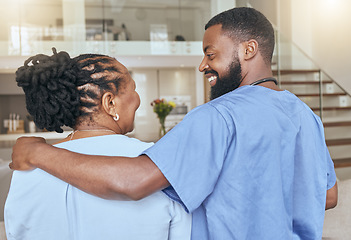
(328, 100)
(297, 73)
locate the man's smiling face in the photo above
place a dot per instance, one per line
(221, 63)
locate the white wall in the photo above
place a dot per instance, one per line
(34, 17)
(321, 28)
(156, 83)
(268, 8)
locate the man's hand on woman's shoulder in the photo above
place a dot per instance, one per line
(24, 152)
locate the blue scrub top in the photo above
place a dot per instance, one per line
(251, 164)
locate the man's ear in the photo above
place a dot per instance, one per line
(250, 49)
(108, 103)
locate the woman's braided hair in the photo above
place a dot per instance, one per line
(62, 91)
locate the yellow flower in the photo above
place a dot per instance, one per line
(173, 105)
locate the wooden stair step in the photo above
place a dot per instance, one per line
(338, 142)
(303, 82)
(337, 124)
(331, 108)
(342, 162)
(317, 94)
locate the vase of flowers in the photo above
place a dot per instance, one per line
(162, 108)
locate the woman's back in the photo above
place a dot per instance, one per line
(66, 212)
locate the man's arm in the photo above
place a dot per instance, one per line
(103, 176)
(332, 197)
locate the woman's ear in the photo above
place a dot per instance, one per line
(108, 103)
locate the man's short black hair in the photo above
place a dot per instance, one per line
(245, 23)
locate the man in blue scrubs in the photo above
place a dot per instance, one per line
(250, 164)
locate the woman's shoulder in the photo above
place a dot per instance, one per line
(108, 145)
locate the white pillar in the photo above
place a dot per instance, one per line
(218, 6)
(73, 12)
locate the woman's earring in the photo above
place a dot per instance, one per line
(116, 118)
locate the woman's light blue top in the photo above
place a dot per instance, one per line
(39, 206)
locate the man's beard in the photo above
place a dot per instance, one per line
(227, 83)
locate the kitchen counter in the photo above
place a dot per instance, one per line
(8, 140)
(46, 135)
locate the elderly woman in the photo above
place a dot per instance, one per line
(95, 95)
